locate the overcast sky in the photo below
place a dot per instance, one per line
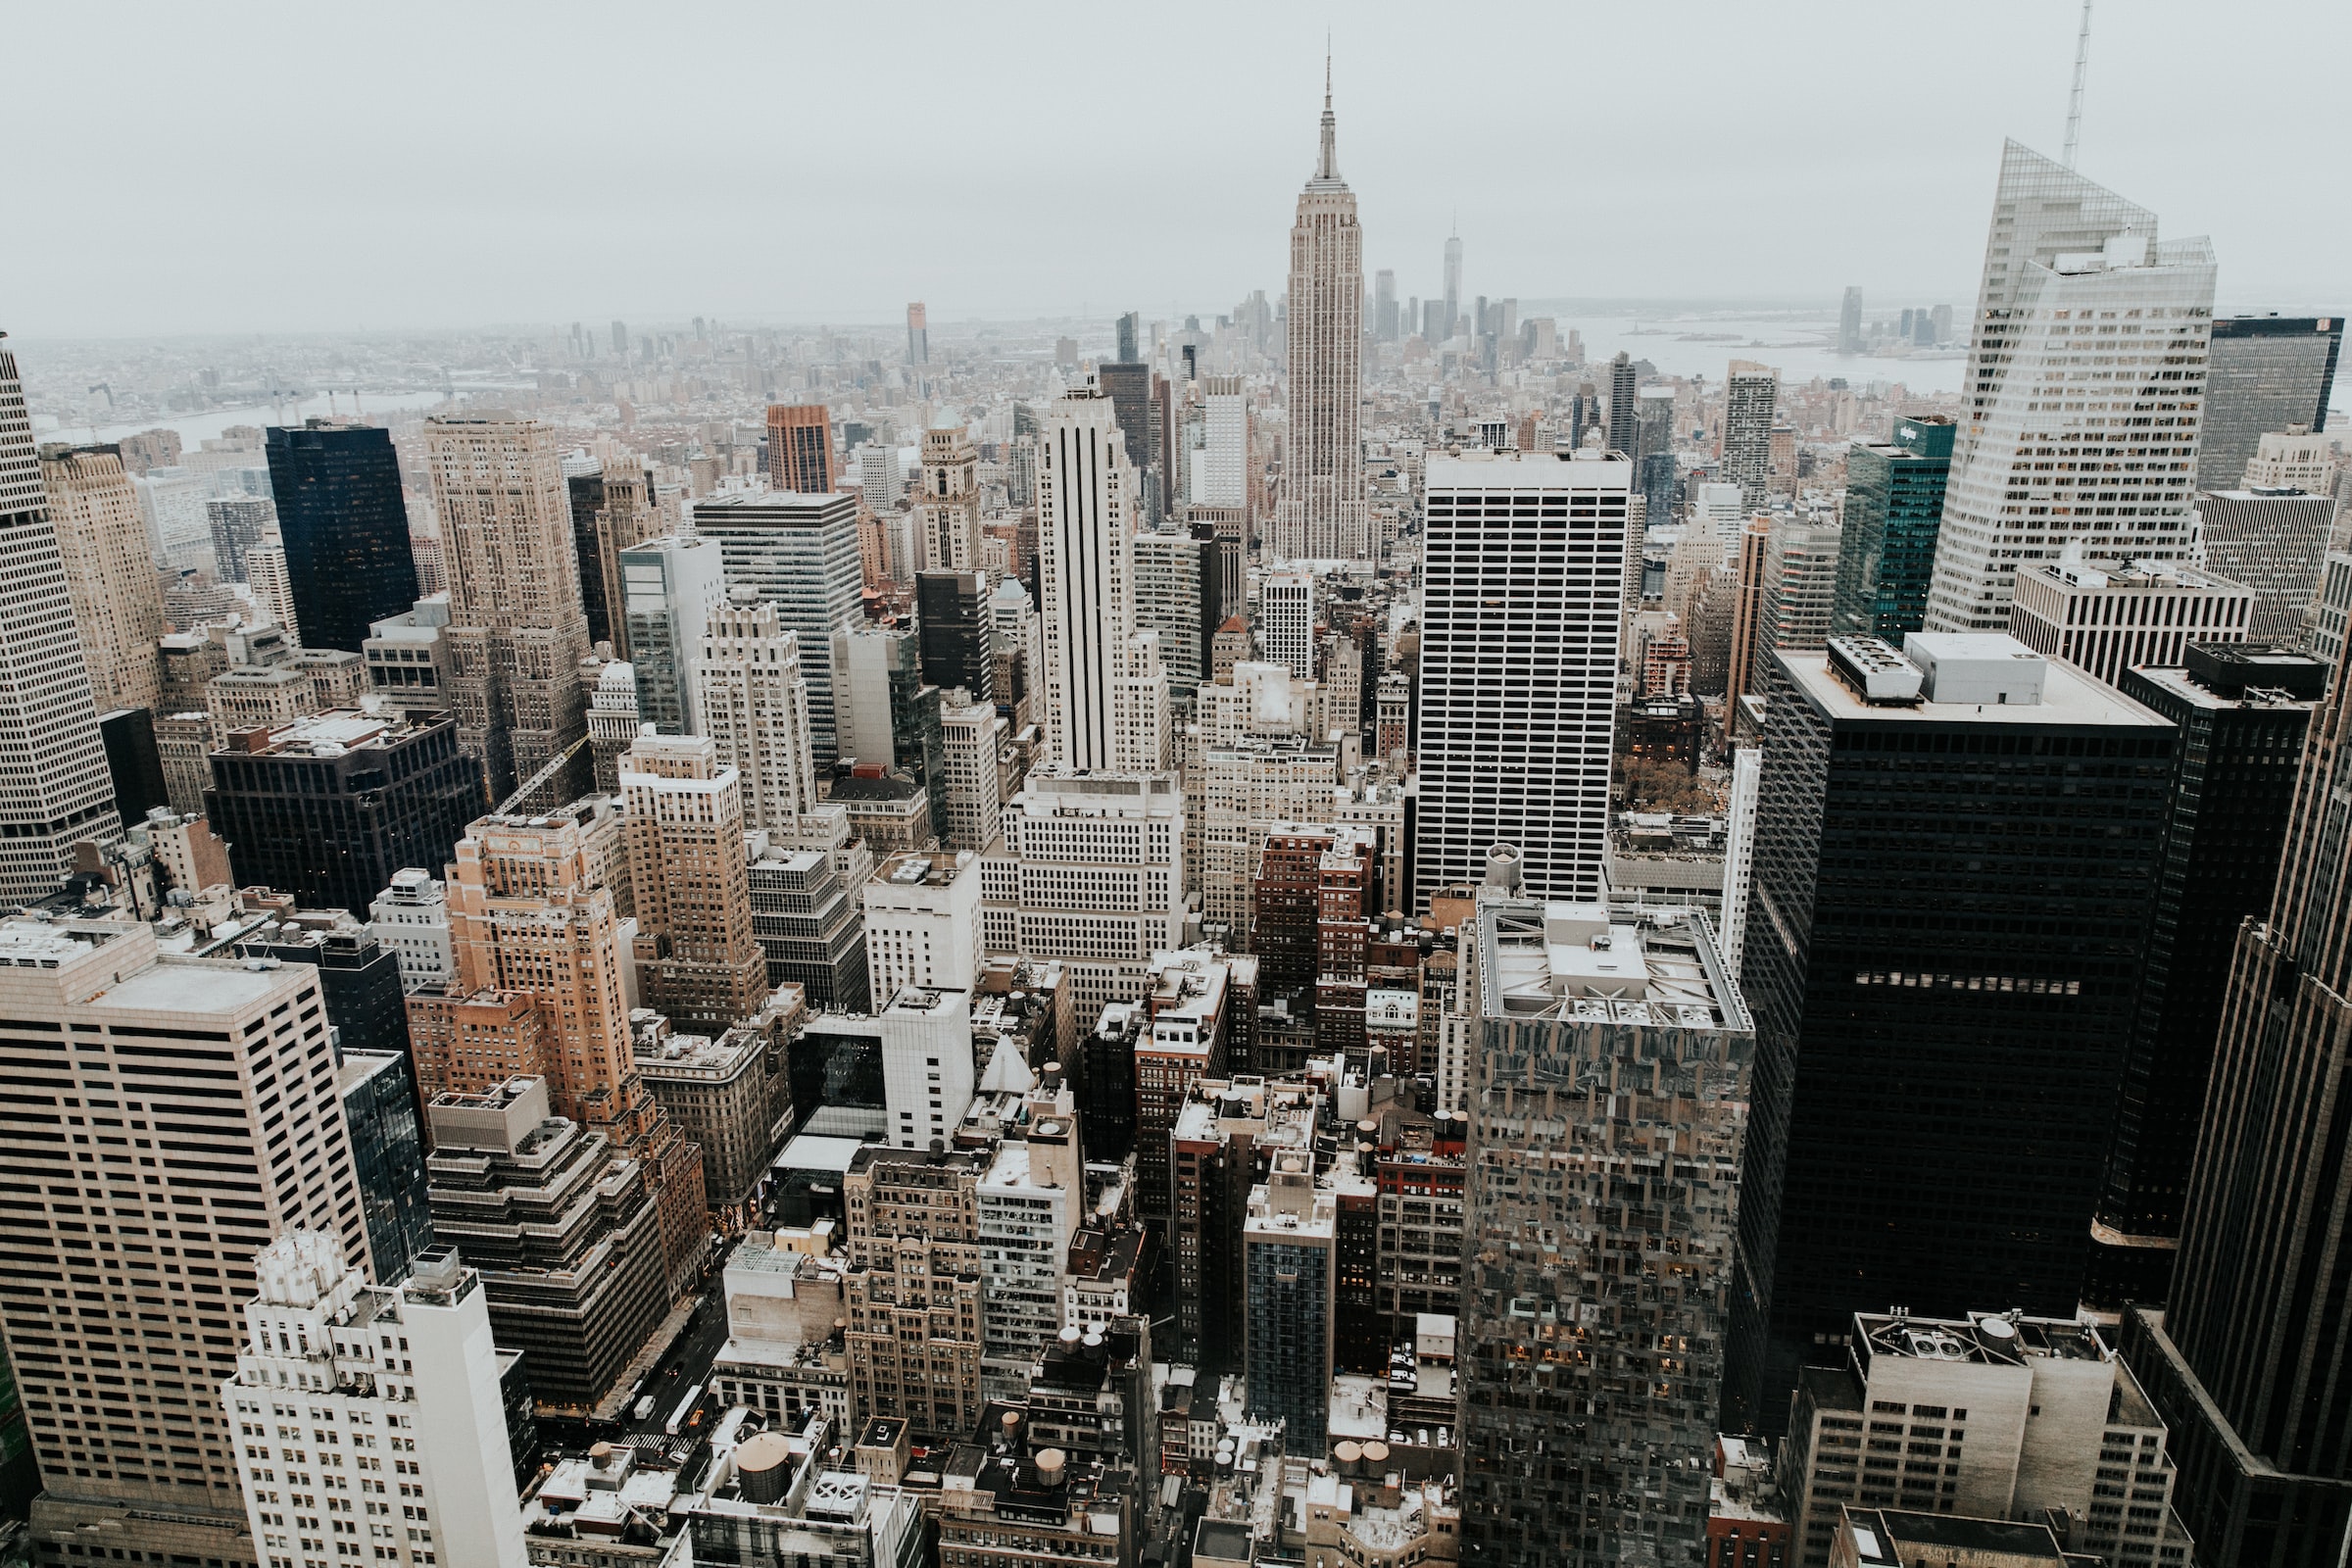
(230, 166)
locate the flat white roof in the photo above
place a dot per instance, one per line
(2068, 697)
(1527, 471)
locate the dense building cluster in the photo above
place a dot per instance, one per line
(1327, 936)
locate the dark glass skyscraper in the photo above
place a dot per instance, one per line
(2248, 1363)
(956, 635)
(387, 1158)
(2241, 711)
(1128, 385)
(1955, 855)
(345, 527)
(1894, 511)
(585, 494)
(2265, 373)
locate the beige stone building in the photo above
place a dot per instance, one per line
(110, 572)
(697, 962)
(914, 1287)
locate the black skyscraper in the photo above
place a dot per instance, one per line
(360, 976)
(345, 527)
(1623, 417)
(957, 639)
(133, 762)
(586, 494)
(1128, 385)
(1954, 860)
(2241, 711)
(328, 809)
(2251, 1363)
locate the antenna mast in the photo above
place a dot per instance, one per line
(2074, 104)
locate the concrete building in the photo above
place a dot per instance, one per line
(808, 920)
(1800, 583)
(219, 1058)
(1286, 621)
(2074, 278)
(927, 1069)
(2295, 457)
(1563, 993)
(563, 1228)
(54, 783)
(2107, 616)
(913, 1287)
(517, 632)
(1995, 1418)
(411, 917)
(800, 448)
(697, 960)
(754, 704)
(2273, 543)
(408, 1372)
(946, 503)
(922, 923)
(1751, 392)
(1090, 872)
(110, 572)
(407, 663)
(798, 551)
(723, 1094)
(1518, 708)
(1177, 578)
(972, 743)
(1028, 1209)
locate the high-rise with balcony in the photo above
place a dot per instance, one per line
(345, 525)
(55, 789)
(1525, 562)
(110, 574)
(517, 632)
(2085, 392)
(1322, 513)
(800, 448)
(221, 1076)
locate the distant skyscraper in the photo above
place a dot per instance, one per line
(110, 572)
(1623, 417)
(1849, 321)
(801, 551)
(1384, 305)
(1130, 351)
(2267, 372)
(1105, 697)
(918, 335)
(2244, 1363)
(1800, 583)
(1322, 513)
(1908, 804)
(1750, 394)
(345, 525)
(1451, 321)
(947, 505)
(517, 634)
(1519, 637)
(54, 785)
(620, 339)
(2064, 263)
(800, 448)
(626, 516)
(1886, 548)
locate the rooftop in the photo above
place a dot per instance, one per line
(1593, 964)
(2068, 697)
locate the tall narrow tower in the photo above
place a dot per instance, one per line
(54, 787)
(1322, 513)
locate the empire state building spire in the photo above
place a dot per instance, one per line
(1322, 515)
(1327, 170)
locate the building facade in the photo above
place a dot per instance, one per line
(1323, 513)
(344, 522)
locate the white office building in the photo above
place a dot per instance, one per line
(922, 923)
(1523, 563)
(800, 553)
(754, 706)
(927, 1075)
(1286, 621)
(1106, 697)
(2086, 390)
(1220, 464)
(670, 588)
(412, 918)
(971, 741)
(389, 1397)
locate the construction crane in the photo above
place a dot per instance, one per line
(2074, 104)
(538, 781)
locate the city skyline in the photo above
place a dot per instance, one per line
(375, 218)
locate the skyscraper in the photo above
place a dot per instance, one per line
(1750, 393)
(2076, 285)
(213, 1059)
(800, 448)
(918, 335)
(670, 589)
(1450, 323)
(1588, 1399)
(517, 634)
(1286, 621)
(110, 574)
(345, 526)
(54, 785)
(957, 639)
(1933, 1065)
(2275, 545)
(1384, 305)
(1893, 510)
(1849, 321)
(2243, 1362)
(1523, 560)
(1106, 702)
(1625, 425)
(755, 707)
(1322, 513)
(2265, 373)
(947, 508)
(798, 550)
(696, 962)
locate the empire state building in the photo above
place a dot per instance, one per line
(1322, 515)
